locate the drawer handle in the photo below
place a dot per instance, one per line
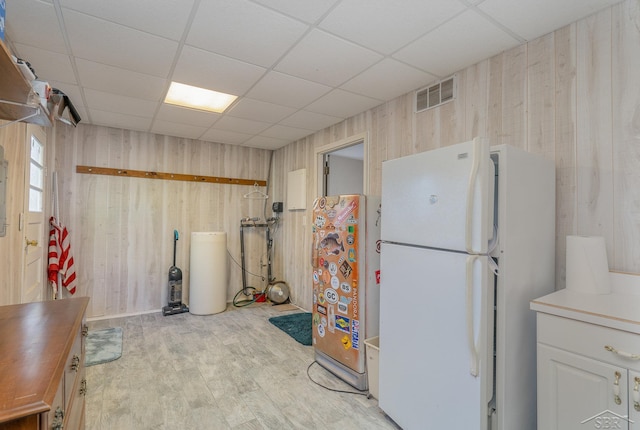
(622, 353)
(83, 387)
(58, 418)
(616, 388)
(636, 394)
(75, 363)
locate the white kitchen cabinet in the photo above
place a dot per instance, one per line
(588, 361)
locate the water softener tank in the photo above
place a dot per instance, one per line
(208, 273)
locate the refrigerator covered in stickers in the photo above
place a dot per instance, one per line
(346, 295)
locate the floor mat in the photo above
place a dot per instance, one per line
(103, 346)
(298, 326)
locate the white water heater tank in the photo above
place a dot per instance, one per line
(208, 273)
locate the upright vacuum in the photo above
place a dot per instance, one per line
(175, 305)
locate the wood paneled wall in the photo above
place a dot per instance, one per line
(572, 96)
(122, 228)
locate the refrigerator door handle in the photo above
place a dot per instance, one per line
(473, 178)
(471, 335)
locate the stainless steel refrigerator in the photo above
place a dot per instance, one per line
(346, 295)
(468, 239)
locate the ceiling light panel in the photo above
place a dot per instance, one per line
(198, 98)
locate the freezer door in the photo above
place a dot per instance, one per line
(339, 297)
(436, 338)
(441, 198)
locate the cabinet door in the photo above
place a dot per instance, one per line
(578, 393)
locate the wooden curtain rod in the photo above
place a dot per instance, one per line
(167, 176)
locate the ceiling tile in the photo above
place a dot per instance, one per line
(240, 125)
(385, 26)
(244, 30)
(120, 81)
(34, 23)
(177, 129)
(264, 142)
(166, 18)
(342, 103)
(286, 133)
(287, 90)
(531, 19)
(109, 102)
(260, 111)
(388, 79)
(225, 136)
(114, 119)
(48, 65)
(483, 42)
(177, 114)
(215, 72)
(326, 59)
(310, 120)
(108, 43)
(307, 11)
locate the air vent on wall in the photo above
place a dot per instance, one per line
(436, 94)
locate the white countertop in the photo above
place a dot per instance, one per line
(618, 310)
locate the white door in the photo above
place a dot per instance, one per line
(428, 375)
(429, 198)
(33, 225)
(577, 393)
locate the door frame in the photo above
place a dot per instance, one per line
(320, 152)
(26, 217)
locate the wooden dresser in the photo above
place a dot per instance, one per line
(42, 375)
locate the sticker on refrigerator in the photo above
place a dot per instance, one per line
(350, 239)
(346, 342)
(321, 309)
(343, 308)
(331, 296)
(331, 213)
(345, 269)
(331, 244)
(343, 323)
(320, 221)
(351, 255)
(333, 268)
(335, 282)
(342, 217)
(355, 334)
(316, 278)
(321, 331)
(345, 287)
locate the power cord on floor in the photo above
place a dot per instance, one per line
(361, 393)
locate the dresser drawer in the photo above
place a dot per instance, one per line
(589, 340)
(72, 369)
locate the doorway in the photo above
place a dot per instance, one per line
(33, 285)
(342, 168)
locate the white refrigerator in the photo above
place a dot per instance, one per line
(468, 239)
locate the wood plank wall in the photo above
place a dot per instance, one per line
(572, 96)
(122, 228)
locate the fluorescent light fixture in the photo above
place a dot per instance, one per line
(198, 98)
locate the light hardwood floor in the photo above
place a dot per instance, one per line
(232, 370)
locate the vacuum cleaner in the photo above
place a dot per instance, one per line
(175, 305)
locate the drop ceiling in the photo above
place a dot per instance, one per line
(298, 66)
